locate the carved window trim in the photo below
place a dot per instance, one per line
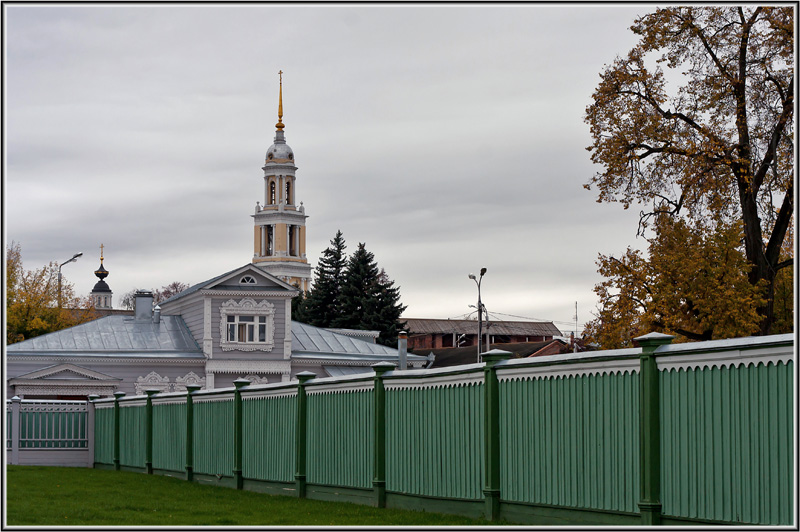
(153, 381)
(247, 307)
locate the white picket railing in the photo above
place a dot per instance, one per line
(42, 432)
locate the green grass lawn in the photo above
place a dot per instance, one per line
(62, 496)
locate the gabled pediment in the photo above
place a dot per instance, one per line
(248, 277)
(66, 372)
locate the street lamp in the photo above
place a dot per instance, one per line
(480, 309)
(73, 259)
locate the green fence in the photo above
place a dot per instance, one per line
(684, 434)
(340, 439)
(131, 434)
(269, 430)
(169, 436)
(727, 443)
(572, 441)
(435, 441)
(104, 435)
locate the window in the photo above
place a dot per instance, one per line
(246, 325)
(247, 329)
(247, 279)
(272, 193)
(288, 193)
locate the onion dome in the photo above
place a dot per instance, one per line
(101, 273)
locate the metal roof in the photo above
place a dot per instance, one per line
(310, 340)
(122, 335)
(510, 328)
(117, 335)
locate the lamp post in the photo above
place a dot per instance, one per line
(73, 259)
(480, 309)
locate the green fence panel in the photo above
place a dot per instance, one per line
(571, 441)
(213, 437)
(132, 435)
(727, 443)
(434, 441)
(169, 436)
(340, 439)
(104, 436)
(268, 435)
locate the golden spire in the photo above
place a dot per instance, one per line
(279, 125)
(101, 254)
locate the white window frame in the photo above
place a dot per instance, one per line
(247, 307)
(248, 279)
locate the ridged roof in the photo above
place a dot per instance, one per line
(122, 335)
(310, 340)
(510, 328)
(115, 335)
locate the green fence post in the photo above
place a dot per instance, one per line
(300, 454)
(491, 432)
(650, 428)
(190, 389)
(117, 397)
(379, 434)
(148, 432)
(237, 431)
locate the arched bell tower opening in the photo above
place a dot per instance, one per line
(279, 243)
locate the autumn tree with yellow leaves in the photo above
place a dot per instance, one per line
(695, 126)
(32, 304)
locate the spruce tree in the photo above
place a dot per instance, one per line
(369, 299)
(321, 306)
(300, 306)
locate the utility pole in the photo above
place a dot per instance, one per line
(575, 343)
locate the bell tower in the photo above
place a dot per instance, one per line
(279, 245)
(101, 293)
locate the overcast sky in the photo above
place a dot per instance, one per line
(446, 137)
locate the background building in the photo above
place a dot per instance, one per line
(436, 333)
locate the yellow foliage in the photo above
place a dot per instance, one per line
(694, 285)
(32, 300)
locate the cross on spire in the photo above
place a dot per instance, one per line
(101, 253)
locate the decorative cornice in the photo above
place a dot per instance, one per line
(274, 391)
(364, 385)
(730, 358)
(454, 379)
(111, 359)
(212, 398)
(248, 366)
(276, 216)
(575, 369)
(48, 389)
(134, 401)
(250, 293)
(359, 363)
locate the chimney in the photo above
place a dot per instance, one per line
(157, 314)
(143, 305)
(402, 348)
